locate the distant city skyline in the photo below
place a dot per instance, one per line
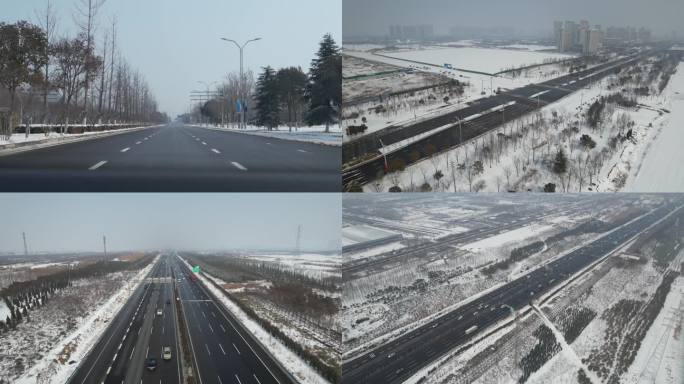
(258, 221)
(524, 17)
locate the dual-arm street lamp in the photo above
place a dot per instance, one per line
(242, 96)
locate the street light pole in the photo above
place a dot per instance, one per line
(241, 92)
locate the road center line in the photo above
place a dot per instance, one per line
(98, 165)
(238, 165)
(125, 149)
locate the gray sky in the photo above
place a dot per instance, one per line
(75, 222)
(361, 17)
(175, 43)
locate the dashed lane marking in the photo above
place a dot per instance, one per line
(125, 149)
(98, 165)
(238, 165)
(302, 151)
(215, 150)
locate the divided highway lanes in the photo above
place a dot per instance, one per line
(175, 158)
(223, 350)
(397, 360)
(109, 361)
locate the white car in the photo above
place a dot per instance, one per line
(159, 312)
(166, 354)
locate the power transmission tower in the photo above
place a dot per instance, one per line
(298, 249)
(23, 235)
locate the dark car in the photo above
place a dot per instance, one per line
(151, 363)
(168, 301)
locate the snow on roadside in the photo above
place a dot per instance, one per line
(660, 358)
(293, 363)
(85, 336)
(18, 138)
(315, 134)
(516, 235)
(655, 172)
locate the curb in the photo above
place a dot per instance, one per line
(14, 148)
(270, 137)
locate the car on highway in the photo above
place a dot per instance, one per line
(159, 312)
(167, 353)
(151, 363)
(168, 301)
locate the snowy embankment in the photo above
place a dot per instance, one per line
(78, 343)
(315, 134)
(293, 363)
(660, 169)
(19, 138)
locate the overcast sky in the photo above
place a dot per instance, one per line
(76, 222)
(361, 17)
(176, 43)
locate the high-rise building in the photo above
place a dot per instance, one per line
(579, 37)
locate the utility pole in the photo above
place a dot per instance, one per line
(298, 248)
(104, 245)
(23, 235)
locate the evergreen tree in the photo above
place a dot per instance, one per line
(560, 163)
(324, 90)
(267, 100)
(291, 87)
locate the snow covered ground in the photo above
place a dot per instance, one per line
(516, 235)
(477, 59)
(661, 170)
(315, 134)
(523, 161)
(291, 361)
(314, 265)
(75, 345)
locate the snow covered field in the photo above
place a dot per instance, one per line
(661, 170)
(64, 330)
(477, 59)
(315, 134)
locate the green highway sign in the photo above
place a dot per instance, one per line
(195, 269)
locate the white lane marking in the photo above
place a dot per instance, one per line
(220, 382)
(302, 151)
(204, 314)
(203, 143)
(138, 142)
(197, 139)
(125, 149)
(238, 165)
(212, 328)
(215, 150)
(238, 351)
(131, 355)
(146, 138)
(256, 378)
(208, 351)
(213, 314)
(147, 352)
(224, 330)
(98, 165)
(238, 379)
(222, 350)
(269, 143)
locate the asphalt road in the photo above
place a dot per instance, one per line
(397, 360)
(175, 158)
(223, 350)
(135, 332)
(527, 99)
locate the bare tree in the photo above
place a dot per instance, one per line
(85, 18)
(47, 20)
